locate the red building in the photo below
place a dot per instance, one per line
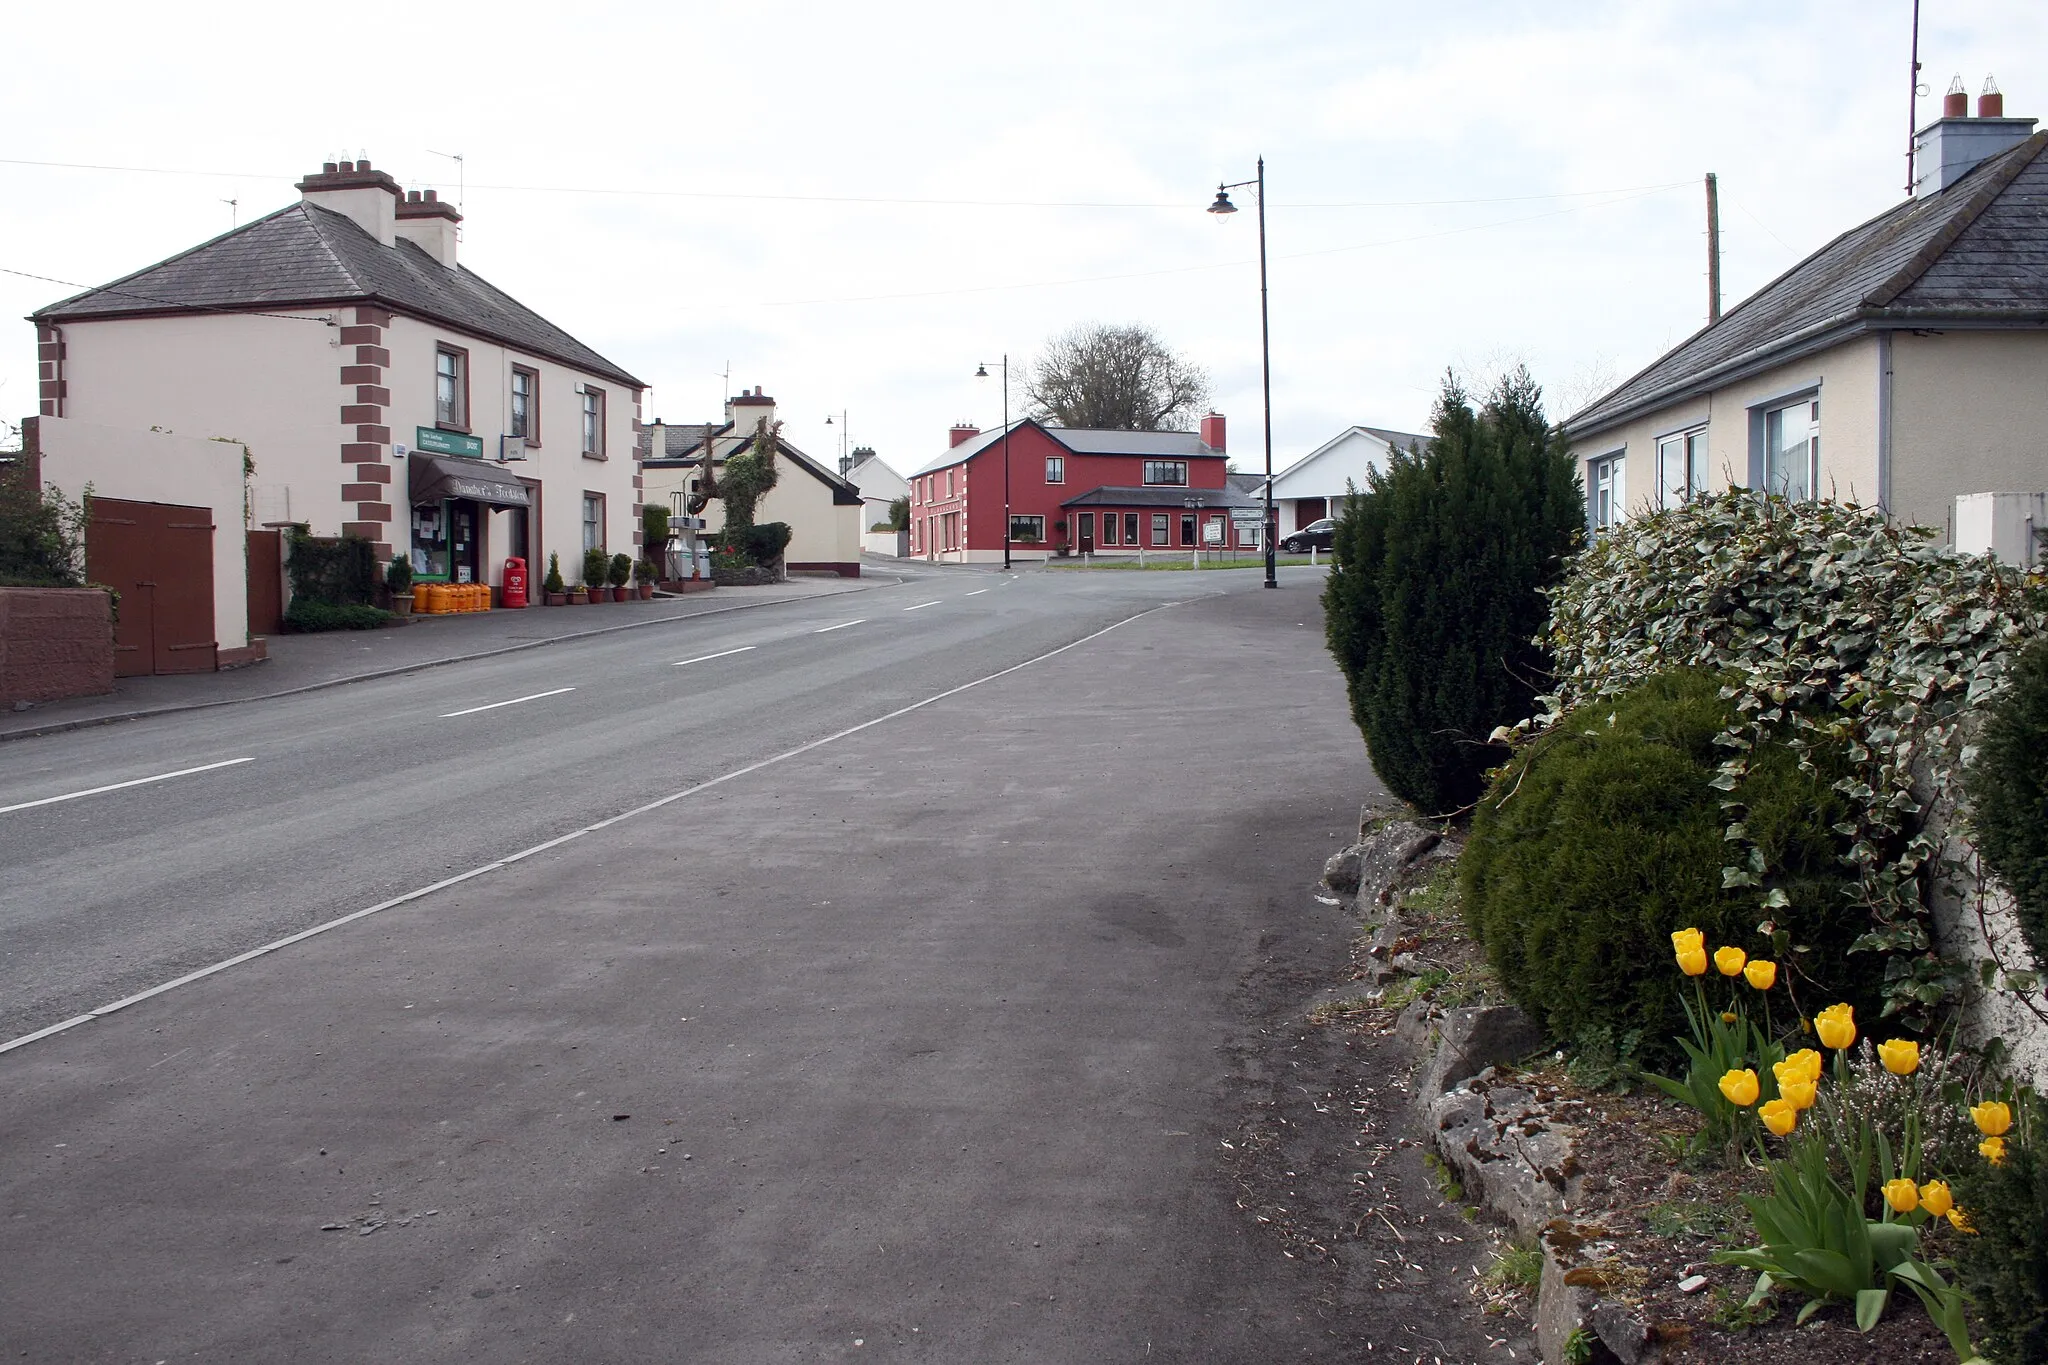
(1077, 490)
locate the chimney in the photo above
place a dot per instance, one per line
(745, 409)
(354, 190)
(1955, 144)
(1212, 432)
(962, 432)
(429, 224)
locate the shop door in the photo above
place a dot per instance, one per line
(1087, 533)
(266, 582)
(464, 542)
(159, 557)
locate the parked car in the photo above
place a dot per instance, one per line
(1315, 535)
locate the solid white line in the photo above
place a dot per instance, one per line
(842, 626)
(922, 605)
(723, 653)
(559, 840)
(450, 715)
(977, 592)
(116, 786)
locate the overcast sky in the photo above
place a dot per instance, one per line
(853, 205)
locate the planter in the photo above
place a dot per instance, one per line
(558, 599)
(401, 603)
(646, 591)
(621, 594)
(578, 597)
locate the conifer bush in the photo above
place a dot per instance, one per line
(1434, 602)
(2008, 791)
(1603, 836)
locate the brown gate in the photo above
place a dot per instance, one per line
(266, 582)
(159, 557)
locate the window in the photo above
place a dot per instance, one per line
(1174, 472)
(1159, 525)
(451, 387)
(1792, 450)
(949, 483)
(1055, 469)
(1681, 466)
(1109, 528)
(917, 492)
(593, 522)
(525, 405)
(593, 423)
(1187, 529)
(1130, 527)
(1029, 530)
(1607, 491)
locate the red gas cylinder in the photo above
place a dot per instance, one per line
(515, 582)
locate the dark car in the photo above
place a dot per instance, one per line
(1316, 535)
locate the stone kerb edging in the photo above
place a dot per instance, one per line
(1509, 1144)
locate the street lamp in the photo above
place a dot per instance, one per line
(845, 436)
(1223, 207)
(1194, 503)
(981, 372)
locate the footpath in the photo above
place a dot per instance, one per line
(305, 663)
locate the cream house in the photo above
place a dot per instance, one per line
(1903, 365)
(382, 389)
(822, 510)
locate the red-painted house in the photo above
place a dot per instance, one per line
(1077, 490)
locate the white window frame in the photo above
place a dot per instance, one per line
(593, 422)
(451, 387)
(1162, 529)
(1030, 522)
(1169, 469)
(1681, 466)
(1607, 490)
(524, 425)
(1055, 469)
(593, 527)
(1806, 452)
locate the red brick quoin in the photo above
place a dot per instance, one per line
(54, 643)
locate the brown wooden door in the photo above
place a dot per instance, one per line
(266, 582)
(1087, 535)
(159, 557)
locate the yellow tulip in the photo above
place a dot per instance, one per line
(1960, 1221)
(1808, 1062)
(1693, 963)
(1935, 1197)
(1688, 941)
(1993, 1149)
(1902, 1194)
(1901, 1056)
(1779, 1115)
(1740, 1087)
(1729, 1016)
(1994, 1117)
(1729, 960)
(1837, 1026)
(1761, 974)
(1797, 1091)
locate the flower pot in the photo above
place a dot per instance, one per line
(578, 597)
(558, 599)
(646, 591)
(401, 602)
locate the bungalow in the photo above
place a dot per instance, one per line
(1314, 486)
(1076, 488)
(1920, 338)
(822, 510)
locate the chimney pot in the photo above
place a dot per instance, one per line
(412, 196)
(433, 196)
(329, 168)
(362, 163)
(1956, 103)
(348, 168)
(1990, 103)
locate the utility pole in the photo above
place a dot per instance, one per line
(1713, 249)
(1912, 98)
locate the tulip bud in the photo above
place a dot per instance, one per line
(1901, 1056)
(1693, 963)
(1797, 1091)
(1837, 1026)
(1728, 961)
(1960, 1221)
(1808, 1062)
(1902, 1194)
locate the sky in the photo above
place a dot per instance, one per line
(854, 206)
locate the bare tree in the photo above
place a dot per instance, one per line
(1123, 378)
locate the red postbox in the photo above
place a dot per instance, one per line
(515, 582)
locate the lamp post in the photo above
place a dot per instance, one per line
(1221, 207)
(845, 436)
(1194, 504)
(981, 372)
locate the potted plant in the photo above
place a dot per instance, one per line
(621, 570)
(644, 574)
(552, 584)
(1059, 539)
(595, 568)
(398, 578)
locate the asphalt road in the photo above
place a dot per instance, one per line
(910, 1034)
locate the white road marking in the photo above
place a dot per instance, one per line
(977, 592)
(117, 786)
(556, 842)
(922, 605)
(722, 654)
(842, 626)
(450, 715)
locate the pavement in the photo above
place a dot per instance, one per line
(300, 663)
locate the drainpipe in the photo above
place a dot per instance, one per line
(1884, 422)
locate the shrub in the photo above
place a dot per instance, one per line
(1433, 603)
(553, 582)
(595, 567)
(765, 543)
(42, 535)
(306, 616)
(1603, 836)
(336, 572)
(2005, 1266)
(2008, 789)
(398, 576)
(620, 570)
(1835, 628)
(654, 525)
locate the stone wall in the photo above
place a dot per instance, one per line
(55, 643)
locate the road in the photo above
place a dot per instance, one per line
(913, 1028)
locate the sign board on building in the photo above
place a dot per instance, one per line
(439, 442)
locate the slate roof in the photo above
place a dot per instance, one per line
(1245, 483)
(1976, 251)
(1167, 445)
(1399, 440)
(1161, 497)
(305, 256)
(677, 441)
(685, 446)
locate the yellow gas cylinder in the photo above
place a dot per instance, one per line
(423, 599)
(479, 597)
(437, 598)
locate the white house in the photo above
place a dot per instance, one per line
(381, 388)
(1313, 487)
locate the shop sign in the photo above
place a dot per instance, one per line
(440, 442)
(1247, 516)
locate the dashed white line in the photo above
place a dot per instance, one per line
(721, 654)
(117, 786)
(472, 710)
(977, 592)
(922, 605)
(841, 626)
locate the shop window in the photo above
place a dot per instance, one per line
(525, 405)
(593, 423)
(451, 387)
(593, 522)
(1028, 530)
(1160, 524)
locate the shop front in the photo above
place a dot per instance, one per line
(467, 516)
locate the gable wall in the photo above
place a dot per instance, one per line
(1969, 415)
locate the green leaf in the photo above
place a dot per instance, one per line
(1870, 1305)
